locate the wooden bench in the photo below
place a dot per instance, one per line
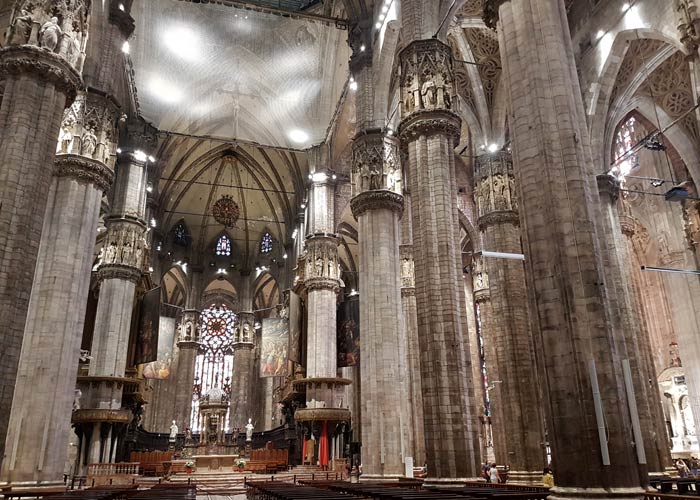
(9, 492)
(267, 461)
(151, 462)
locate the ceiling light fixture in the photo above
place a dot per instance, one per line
(493, 147)
(125, 47)
(140, 156)
(298, 136)
(353, 85)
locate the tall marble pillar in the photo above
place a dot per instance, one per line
(581, 368)
(377, 206)
(44, 393)
(515, 399)
(642, 383)
(242, 379)
(321, 279)
(410, 318)
(429, 132)
(123, 260)
(38, 85)
(187, 349)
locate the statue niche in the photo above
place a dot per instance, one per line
(59, 26)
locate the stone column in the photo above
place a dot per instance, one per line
(627, 318)
(38, 85)
(242, 379)
(408, 302)
(124, 256)
(386, 425)
(581, 364)
(321, 278)
(495, 444)
(429, 131)
(44, 393)
(515, 398)
(188, 347)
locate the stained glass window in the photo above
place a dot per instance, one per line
(214, 364)
(625, 139)
(180, 235)
(266, 243)
(482, 360)
(223, 246)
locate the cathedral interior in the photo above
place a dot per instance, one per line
(392, 240)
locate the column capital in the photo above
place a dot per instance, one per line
(376, 200)
(360, 41)
(490, 16)
(609, 186)
(89, 128)
(431, 122)
(494, 190)
(121, 18)
(375, 162)
(118, 272)
(125, 246)
(427, 78)
(44, 64)
(85, 170)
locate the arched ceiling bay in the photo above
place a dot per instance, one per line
(218, 70)
(268, 185)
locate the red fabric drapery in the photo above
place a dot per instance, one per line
(323, 446)
(304, 451)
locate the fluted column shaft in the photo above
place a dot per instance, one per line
(408, 303)
(243, 367)
(38, 86)
(627, 318)
(429, 132)
(44, 394)
(387, 430)
(581, 353)
(515, 398)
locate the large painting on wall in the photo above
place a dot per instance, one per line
(348, 332)
(160, 368)
(147, 335)
(273, 351)
(294, 327)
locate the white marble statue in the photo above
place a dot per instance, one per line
(50, 34)
(76, 399)
(249, 430)
(173, 431)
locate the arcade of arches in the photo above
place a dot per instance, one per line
(400, 233)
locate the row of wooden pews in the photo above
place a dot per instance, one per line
(163, 491)
(401, 490)
(267, 461)
(152, 463)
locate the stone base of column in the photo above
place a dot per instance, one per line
(36, 486)
(524, 477)
(560, 493)
(447, 482)
(376, 478)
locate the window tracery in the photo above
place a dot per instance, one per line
(266, 243)
(625, 140)
(214, 363)
(180, 233)
(223, 246)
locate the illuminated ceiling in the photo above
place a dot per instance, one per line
(219, 71)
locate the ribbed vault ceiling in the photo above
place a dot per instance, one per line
(265, 183)
(232, 73)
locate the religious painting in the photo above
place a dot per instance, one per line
(294, 327)
(348, 332)
(273, 351)
(160, 368)
(147, 335)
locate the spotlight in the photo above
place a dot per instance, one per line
(600, 34)
(353, 86)
(153, 223)
(493, 148)
(625, 7)
(284, 256)
(121, 7)
(362, 47)
(653, 144)
(378, 25)
(125, 47)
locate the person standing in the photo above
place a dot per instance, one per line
(493, 473)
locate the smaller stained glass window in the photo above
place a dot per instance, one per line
(625, 140)
(266, 243)
(180, 235)
(223, 246)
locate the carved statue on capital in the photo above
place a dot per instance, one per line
(480, 276)
(495, 184)
(125, 245)
(427, 77)
(689, 27)
(375, 163)
(89, 129)
(691, 224)
(59, 26)
(408, 279)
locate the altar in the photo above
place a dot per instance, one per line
(207, 463)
